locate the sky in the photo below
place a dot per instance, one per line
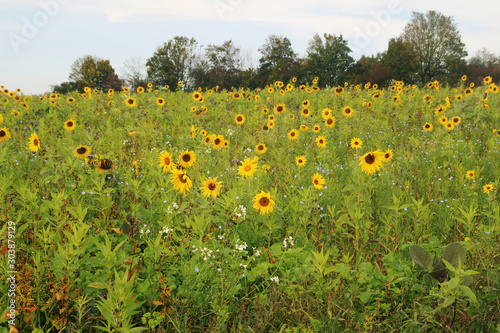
(41, 39)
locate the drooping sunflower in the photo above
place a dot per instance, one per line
(239, 119)
(247, 167)
(321, 141)
(104, 165)
(318, 181)
(488, 188)
(81, 151)
(470, 174)
(330, 122)
(347, 111)
(130, 102)
(211, 187)
(293, 134)
(263, 202)
(456, 120)
(160, 101)
(280, 108)
(180, 180)
(427, 127)
(388, 155)
(300, 161)
(371, 162)
(165, 161)
(34, 142)
(261, 148)
(305, 112)
(218, 141)
(4, 134)
(69, 124)
(356, 143)
(187, 159)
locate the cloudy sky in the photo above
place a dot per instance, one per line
(40, 39)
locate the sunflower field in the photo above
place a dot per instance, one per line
(286, 209)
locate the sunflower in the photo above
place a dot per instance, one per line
(34, 142)
(300, 161)
(464, 78)
(187, 159)
(207, 139)
(428, 127)
(140, 90)
(487, 80)
(196, 96)
(263, 202)
(4, 134)
(130, 102)
(371, 162)
(369, 104)
(16, 113)
(318, 181)
(305, 112)
(347, 111)
(326, 112)
(440, 109)
(247, 167)
(443, 120)
(104, 165)
(280, 108)
(180, 180)
(321, 141)
(211, 187)
(304, 127)
(160, 101)
(165, 160)
(316, 128)
(293, 134)
(470, 174)
(449, 125)
(69, 124)
(192, 131)
(261, 148)
(226, 144)
(339, 90)
(488, 188)
(458, 97)
(388, 155)
(330, 122)
(218, 141)
(81, 151)
(356, 143)
(306, 103)
(270, 90)
(456, 120)
(179, 84)
(239, 119)
(70, 100)
(236, 95)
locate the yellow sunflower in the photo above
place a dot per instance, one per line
(218, 141)
(263, 202)
(248, 167)
(326, 112)
(261, 148)
(316, 128)
(34, 142)
(280, 108)
(70, 100)
(165, 160)
(371, 162)
(180, 180)
(196, 96)
(388, 155)
(330, 122)
(356, 143)
(293, 134)
(471, 174)
(488, 188)
(456, 120)
(130, 102)
(464, 78)
(427, 127)
(318, 181)
(187, 159)
(4, 134)
(306, 103)
(305, 112)
(69, 124)
(487, 80)
(347, 111)
(239, 119)
(211, 187)
(81, 151)
(304, 127)
(160, 101)
(140, 90)
(443, 120)
(300, 161)
(449, 125)
(104, 165)
(321, 141)
(339, 90)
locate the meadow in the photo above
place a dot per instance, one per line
(286, 209)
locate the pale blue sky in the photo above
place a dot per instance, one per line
(40, 39)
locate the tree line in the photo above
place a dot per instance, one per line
(428, 49)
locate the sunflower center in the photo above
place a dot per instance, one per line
(183, 178)
(427, 126)
(212, 187)
(81, 150)
(279, 108)
(347, 110)
(387, 155)
(370, 159)
(217, 142)
(35, 142)
(261, 147)
(264, 201)
(248, 168)
(321, 141)
(70, 124)
(315, 182)
(2, 133)
(186, 158)
(167, 160)
(239, 119)
(292, 134)
(329, 121)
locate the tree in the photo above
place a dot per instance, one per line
(91, 71)
(278, 60)
(329, 60)
(225, 65)
(400, 61)
(172, 62)
(436, 45)
(485, 58)
(482, 64)
(369, 69)
(134, 73)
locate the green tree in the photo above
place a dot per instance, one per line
(172, 62)
(436, 45)
(400, 61)
(278, 61)
(224, 65)
(91, 71)
(328, 59)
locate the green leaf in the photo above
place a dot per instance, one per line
(421, 256)
(453, 252)
(449, 265)
(466, 280)
(126, 228)
(98, 285)
(469, 293)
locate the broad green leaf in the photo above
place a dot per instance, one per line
(421, 256)
(453, 252)
(467, 280)
(469, 293)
